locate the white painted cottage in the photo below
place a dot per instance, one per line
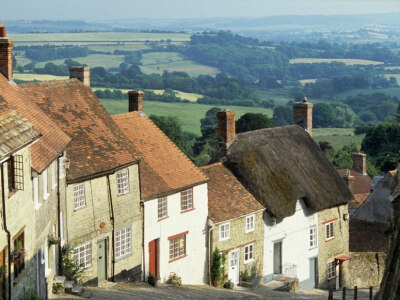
(174, 197)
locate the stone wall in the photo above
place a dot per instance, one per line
(366, 269)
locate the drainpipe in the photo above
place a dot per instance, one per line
(3, 197)
(209, 254)
(58, 214)
(113, 230)
(144, 254)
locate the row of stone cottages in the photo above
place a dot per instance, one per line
(131, 203)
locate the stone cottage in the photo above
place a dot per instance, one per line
(174, 199)
(237, 227)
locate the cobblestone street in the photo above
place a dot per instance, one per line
(125, 291)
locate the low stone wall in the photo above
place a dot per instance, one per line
(366, 269)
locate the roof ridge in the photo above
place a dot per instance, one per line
(211, 165)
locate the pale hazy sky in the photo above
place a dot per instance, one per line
(92, 10)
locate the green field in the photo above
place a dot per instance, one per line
(97, 37)
(395, 91)
(111, 48)
(397, 76)
(346, 61)
(338, 137)
(188, 114)
(157, 62)
(38, 77)
(92, 60)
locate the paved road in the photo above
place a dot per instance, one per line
(125, 291)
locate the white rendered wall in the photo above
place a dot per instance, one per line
(193, 267)
(294, 233)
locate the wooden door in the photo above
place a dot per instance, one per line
(3, 273)
(153, 257)
(278, 258)
(233, 264)
(102, 260)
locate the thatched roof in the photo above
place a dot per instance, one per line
(377, 206)
(283, 164)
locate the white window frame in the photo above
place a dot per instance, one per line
(122, 182)
(187, 200)
(47, 270)
(162, 207)
(329, 231)
(45, 185)
(224, 231)
(249, 253)
(62, 168)
(313, 237)
(83, 252)
(79, 196)
(177, 247)
(331, 270)
(250, 223)
(123, 242)
(54, 175)
(36, 202)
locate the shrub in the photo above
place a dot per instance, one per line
(71, 269)
(218, 268)
(174, 279)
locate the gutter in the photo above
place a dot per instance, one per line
(113, 230)
(3, 197)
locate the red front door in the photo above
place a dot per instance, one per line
(153, 257)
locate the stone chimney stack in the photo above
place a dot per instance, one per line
(135, 100)
(80, 73)
(349, 180)
(226, 128)
(302, 114)
(6, 54)
(360, 162)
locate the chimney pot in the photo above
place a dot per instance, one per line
(349, 180)
(226, 128)
(3, 31)
(302, 114)
(6, 54)
(80, 73)
(135, 101)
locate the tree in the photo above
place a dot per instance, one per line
(323, 115)
(253, 121)
(398, 114)
(283, 115)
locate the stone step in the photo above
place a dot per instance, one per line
(59, 279)
(68, 285)
(77, 290)
(86, 294)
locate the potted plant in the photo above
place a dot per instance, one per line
(174, 279)
(152, 280)
(53, 240)
(18, 252)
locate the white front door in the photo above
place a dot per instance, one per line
(233, 264)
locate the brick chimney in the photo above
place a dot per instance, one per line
(80, 73)
(135, 101)
(360, 162)
(6, 54)
(226, 129)
(349, 180)
(302, 114)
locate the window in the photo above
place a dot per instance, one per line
(248, 253)
(62, 168)
(15, 170)
(83, 255)
(79, 196)
(19, 260)
(331, 269)
(36, 193)
(122, 182)
(329, 231)
(177, 246)
(123, 242)
(162, 207)
(224, 231)
(313, 237)
(53, 175)
(249, 223)
(187, 200)
(45, 184)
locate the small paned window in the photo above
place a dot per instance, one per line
(224, 231)
(177, 247)
(15, 170)
(79, 196)
(18, 254)
(83, 255)
(187, 199)
(313, 237)
(248, 253)
(331, 269)
(122, 182)
(329, 234)
(123, 242)
(162, 207)
(249, 223)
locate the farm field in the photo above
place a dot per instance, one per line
(337, 137)
(304, 81)
(347, 61)
(394, 91)
(397, 76)
(111, 48)
(188, 114)
(46, 38)
(38, 77)
(157, 62)
(92, 60)
(392, 68)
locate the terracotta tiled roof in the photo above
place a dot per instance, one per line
(98, 146)
(165, 169)
(53, 140)
(367, 236)
(393, 172)
(362, 183)
(15, 130)
(358, 200)
(227, 197)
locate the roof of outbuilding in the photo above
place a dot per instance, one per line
(165, 169)
(98, 146)
(53, 140)
(283, 164)
(367, 236)
(362, 183)
(15, 130)
(227, 197)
